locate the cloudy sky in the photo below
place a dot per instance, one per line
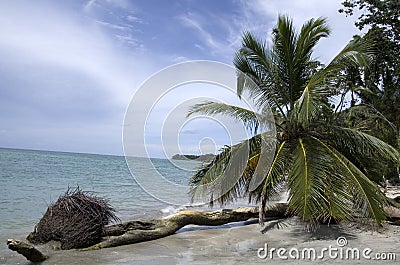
(68, 69)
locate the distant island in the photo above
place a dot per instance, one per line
(203, 158)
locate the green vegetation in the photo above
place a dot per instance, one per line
(320, 159)
(206, 157)
(379, 109)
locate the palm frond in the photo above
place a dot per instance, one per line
(254, 73)
(305, 107)
(368, 201)
(229, 175)
(358, 52)
(283, 56)
(249, 75)
(311, 32)
(306, 182)
(255, 50)
(324, 184)
(310, 104)
(274, 179)
(252, 63)
(359, 144)
(317, 91)
(252, 120)
(210, 172)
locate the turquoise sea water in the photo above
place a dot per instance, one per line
(31, 180)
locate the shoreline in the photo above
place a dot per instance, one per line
(233, 244)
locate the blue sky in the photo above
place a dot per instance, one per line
(69, 68)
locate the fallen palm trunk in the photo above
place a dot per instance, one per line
(145, 230)
(140, 231)
(28, 251)
(392, 215)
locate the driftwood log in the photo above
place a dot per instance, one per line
(26, 250)
(392, 215)
(140, 231)
(145, 230)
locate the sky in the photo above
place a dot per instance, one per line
(68, 69)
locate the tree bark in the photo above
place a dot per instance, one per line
(28, 251)
(140, 231)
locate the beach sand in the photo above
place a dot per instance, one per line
(238, 244)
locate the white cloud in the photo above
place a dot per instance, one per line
(220, 34)
(53, 37)
(135, 19)
(342, 27)
(123, 4)
(89, 5)
(194, 22)
(191, 22)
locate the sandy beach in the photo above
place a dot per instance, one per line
(241, 244)
(244, 243)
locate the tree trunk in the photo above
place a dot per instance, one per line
(398, 139)
(140, 231)
(28, 251)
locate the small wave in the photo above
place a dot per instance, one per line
(195, 205)
(173, 209)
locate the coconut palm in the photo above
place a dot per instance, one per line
(316, 160)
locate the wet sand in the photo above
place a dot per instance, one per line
(236, 244)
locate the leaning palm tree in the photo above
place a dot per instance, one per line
(316, 160)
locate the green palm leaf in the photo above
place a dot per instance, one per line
(231, 172)
(359, 144)
(306, 182)
(252, 120)
(273, 183)
(309, 105)
(311, 32)
(368, 200)
(358, 52)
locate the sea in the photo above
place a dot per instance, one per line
(31, 180)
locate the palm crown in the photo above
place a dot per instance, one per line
(316, 160)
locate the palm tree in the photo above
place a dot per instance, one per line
(315, 159)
